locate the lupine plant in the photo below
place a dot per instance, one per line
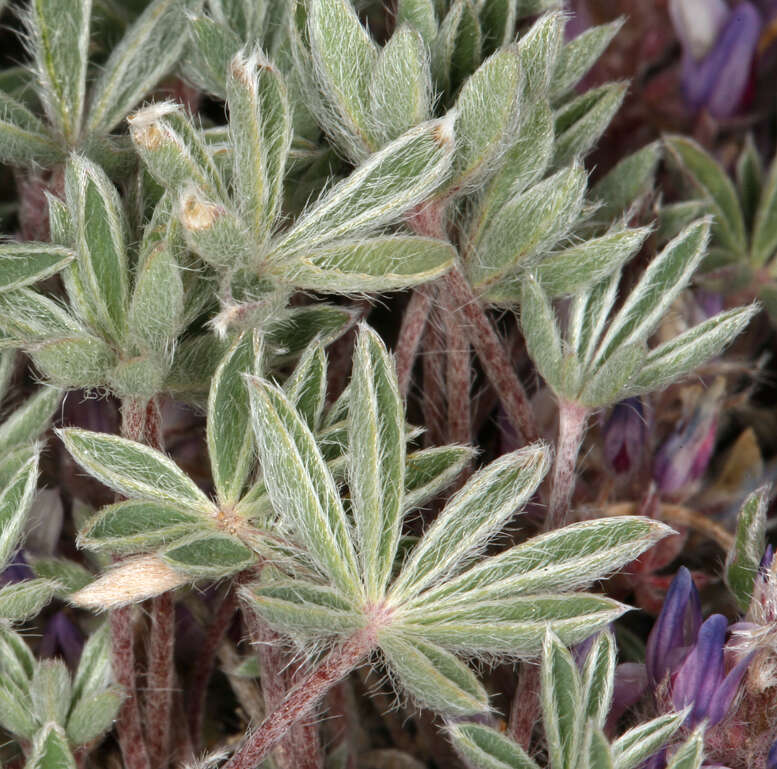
(290, 520)
(744, 238)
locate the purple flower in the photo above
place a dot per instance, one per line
(698, 23)
(62, 637)
(17, 570)
(702, 681)
(771, 757)
(624, 435)
(684, 456)
(719, 52)
(676, 628)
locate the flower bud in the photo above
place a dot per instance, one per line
(624, 435)
(698, 23)
(683, 458)
(719, 81)
(701, 682)
(61, 636)
(676, 628)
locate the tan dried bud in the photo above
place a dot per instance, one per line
(197, 214)
(132, 581)
(147, 136)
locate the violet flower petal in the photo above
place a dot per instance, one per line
(675, 628)
(702, 672)
(771, 756)
(62, 636)
(719, 81)
(698, 23)
(624, 435)
(724, 696)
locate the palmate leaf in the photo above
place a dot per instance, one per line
(145, 54)
(642, 741)
(134, 469)
(522, 166)
(50, 749)
(713, 182)
(344, 58)
(22, 264)
(26, 423)
(485, 748)
(539, 50)
(380, 191)
(561, 560)
(663, 280)
(744, 557)
(376, 264)
(260, 130)
(435, 678)
(678, 357)
(580, 124)
(306, 386)
(562, 703)
(579, 55)
(24, 139)
(598, 679)
(59, 33)
(473, 515)
(101, 235)
(300, 484)
(487, 114)
(527, 225)
(70, 575)
(512, 627)
(15, 500)
(21, 600)
(50, 690)
(208, 54)
(376, 467)
(230, 445)
(136, 525)
(428, 472)
(401, 87)
(572, 714)
(305, 610)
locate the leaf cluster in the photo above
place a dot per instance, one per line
(42, 704)
(576, 699)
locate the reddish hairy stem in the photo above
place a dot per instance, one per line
(433, 403)
(302, 699)
(301, 747)
(128, 723)
(492, 355)
(183, 748)
(410, 332)
(161, 670)
(206, 662)
(457, 376)
(131, 742)
(525, 708)
(571, 429)
(141, 421)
